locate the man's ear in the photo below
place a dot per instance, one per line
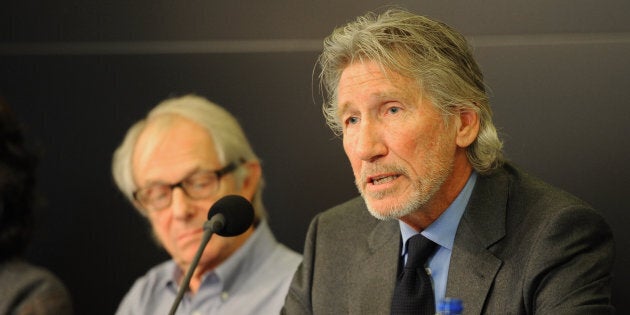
(250, 184)
(467, 127)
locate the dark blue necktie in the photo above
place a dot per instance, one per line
(414, 292)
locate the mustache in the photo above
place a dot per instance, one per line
(375, 169)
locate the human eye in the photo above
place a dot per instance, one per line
(352, 120)
(393, 108)
(155, 194)
(200, 183)
(350, 117)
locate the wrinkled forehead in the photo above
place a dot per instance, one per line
(377, 81)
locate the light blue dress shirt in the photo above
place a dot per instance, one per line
(442, 232)
(254, 280)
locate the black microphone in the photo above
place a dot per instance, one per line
(229, 216)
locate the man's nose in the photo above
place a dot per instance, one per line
(370, 145)
(180, 204)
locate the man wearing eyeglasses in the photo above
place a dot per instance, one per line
(173, 165)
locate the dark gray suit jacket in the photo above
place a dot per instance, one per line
(28, 289)
(522, 247)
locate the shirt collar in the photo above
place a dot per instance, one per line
(442, 231)
(248, 257)
(236, 268)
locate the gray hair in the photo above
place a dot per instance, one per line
(436, 56)
(229, 140)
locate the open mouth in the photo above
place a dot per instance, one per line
(379, 180)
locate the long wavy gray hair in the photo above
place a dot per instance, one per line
(435, 55)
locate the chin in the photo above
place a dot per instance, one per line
(382, 211)
(391, 208)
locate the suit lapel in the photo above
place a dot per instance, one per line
(374, 271)
(473, 267)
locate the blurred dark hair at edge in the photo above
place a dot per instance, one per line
(17, 186)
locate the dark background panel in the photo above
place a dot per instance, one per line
(562, 111)
(81, 20)
(558, 72)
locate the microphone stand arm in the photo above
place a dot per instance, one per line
(209, 227)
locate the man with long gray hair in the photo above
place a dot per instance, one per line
(442, 214)
(173, 166)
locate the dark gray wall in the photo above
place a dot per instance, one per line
(79, 73)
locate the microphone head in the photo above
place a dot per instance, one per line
(237, 211)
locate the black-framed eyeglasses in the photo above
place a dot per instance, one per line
(200, 185)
